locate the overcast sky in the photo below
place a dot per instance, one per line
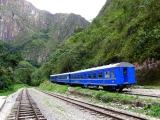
(86, 8)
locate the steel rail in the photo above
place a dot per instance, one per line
(105, 111)
(19, 104)
(37, 118)
(25, 108)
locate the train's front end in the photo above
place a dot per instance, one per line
(53, 78)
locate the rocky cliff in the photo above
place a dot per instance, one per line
(17, 17)
(33, 31)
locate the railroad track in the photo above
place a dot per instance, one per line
(25, 108)
(97, 109)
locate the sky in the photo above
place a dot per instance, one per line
(88, 9)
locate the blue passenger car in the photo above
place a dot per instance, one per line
(60, 78)
(110, 77)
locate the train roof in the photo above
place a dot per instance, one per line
(121, 64)
(61, 74)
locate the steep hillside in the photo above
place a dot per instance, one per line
(123, 31)
(18, 17)
(36, 33)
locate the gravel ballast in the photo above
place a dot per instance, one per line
(10, 101)
(55, 109)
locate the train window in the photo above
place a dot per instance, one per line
(77, 76)
(84, 76)
(100, 75)
(107, 74)
(81, 76)
(94, 75)
(113, 74)
(89, 76)
(125, 71)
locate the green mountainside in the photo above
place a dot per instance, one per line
(38, 45)
(123, 31)
(27, 38)
(34, 32)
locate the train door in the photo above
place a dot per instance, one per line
(129, 75)
(125, 74)
(69, 78)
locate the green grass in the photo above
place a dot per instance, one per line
(16, 87)
(101, 96)
(54, 87)
(155, 110)
(6, 93)
(147, 87)
(60, 108)
(152, 87)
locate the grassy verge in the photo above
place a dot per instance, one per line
(147, 106)
(147, 87)
(16, 87)
(54, 87)
(152, 87)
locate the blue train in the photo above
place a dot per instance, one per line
(110, 77)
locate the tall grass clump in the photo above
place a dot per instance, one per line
(54, 87)
(155, 110)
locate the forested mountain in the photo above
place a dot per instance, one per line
(124, 30)
(34, 32)
(27, 38)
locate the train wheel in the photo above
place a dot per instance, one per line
(120, 89)
(85, 85)
(107, 88)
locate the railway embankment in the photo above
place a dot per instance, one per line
(53, 108)
(133, 103)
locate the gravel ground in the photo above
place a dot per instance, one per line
(145, 91)
(49, 108)
(10, 101)
(2, 99)
(126, 108)
(55, 109)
